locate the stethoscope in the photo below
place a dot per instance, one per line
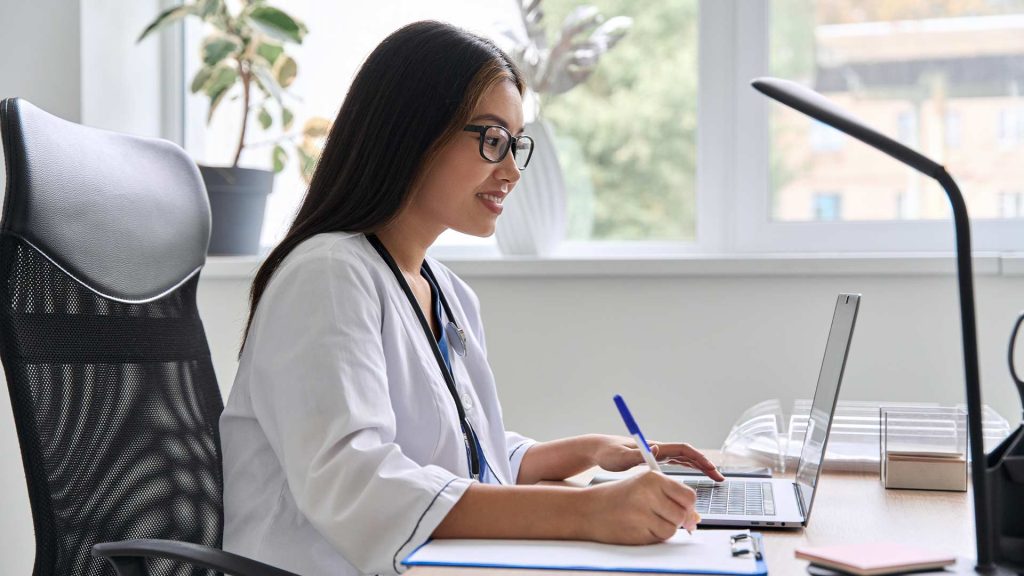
(456, 341)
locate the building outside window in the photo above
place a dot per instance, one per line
(825, 138)
(946, 72)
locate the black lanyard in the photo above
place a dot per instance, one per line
(467, 431)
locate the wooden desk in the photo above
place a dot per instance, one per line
(848, 507)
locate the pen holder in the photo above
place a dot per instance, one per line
(923, 448)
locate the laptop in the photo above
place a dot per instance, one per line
(782, 502)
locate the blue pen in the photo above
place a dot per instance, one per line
(635, 432)
(641, 442)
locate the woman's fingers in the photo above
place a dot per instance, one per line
(663, 528)
(691, 456)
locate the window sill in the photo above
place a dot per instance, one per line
(661, 266)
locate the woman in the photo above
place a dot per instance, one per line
(364, 417)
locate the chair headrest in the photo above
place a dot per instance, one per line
(126, 216)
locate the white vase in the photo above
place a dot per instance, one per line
(533, 220)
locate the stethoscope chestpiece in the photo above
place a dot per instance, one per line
(456, 338)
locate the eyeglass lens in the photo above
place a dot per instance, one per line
(496, 144)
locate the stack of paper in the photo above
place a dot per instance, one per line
(705, 551)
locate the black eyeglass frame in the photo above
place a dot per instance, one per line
(513, 142)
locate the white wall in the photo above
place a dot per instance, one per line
(691, 352)
(40, 43)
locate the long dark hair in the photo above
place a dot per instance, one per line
(413, 94)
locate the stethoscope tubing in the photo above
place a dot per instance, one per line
(456, 336)
(472, 443)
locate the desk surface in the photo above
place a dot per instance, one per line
(848, 507)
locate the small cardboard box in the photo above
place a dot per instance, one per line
(925, 471)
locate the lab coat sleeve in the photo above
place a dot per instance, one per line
(319, 390)
(517, 445)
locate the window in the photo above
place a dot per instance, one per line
(828, 206)
(906, 127)
(648, 169)
(1011, 204)
(1011, 126)
(952, 129)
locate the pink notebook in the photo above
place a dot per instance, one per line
(872, 558)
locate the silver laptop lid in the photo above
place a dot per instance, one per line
(812, 455)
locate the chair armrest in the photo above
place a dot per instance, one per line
(128, 557)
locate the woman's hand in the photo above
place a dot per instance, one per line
(643, 509)
(616, 453)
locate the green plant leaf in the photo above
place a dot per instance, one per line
(219, 47)
(307, 163)
(222, 79)
(269, 51)
(209, 8)
(166, 17)
(201, 78)
(264, 118)
(280, 158)
(287, 118)
(285, 70)
(267, 82)
(275, 23)
(316, 127)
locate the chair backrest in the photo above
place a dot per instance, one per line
(115, 400)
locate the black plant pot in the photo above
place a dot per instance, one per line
(238, 198)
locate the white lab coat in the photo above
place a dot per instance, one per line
(342, 445)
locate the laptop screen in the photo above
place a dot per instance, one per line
(825, 395)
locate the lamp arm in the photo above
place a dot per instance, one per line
(969, 332)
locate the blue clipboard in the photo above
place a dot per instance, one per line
(755, 546)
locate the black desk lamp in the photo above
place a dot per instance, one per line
(999, 477)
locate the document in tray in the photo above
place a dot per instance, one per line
(705, 551)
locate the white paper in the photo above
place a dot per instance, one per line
(704, 551)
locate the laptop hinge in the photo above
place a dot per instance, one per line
(800, 500)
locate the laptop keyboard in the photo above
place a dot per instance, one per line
(733, 497)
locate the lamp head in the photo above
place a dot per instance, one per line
(823, 110)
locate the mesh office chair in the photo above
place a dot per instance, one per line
(115, 400)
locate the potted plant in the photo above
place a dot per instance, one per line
(534, 219)
(247, 48)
